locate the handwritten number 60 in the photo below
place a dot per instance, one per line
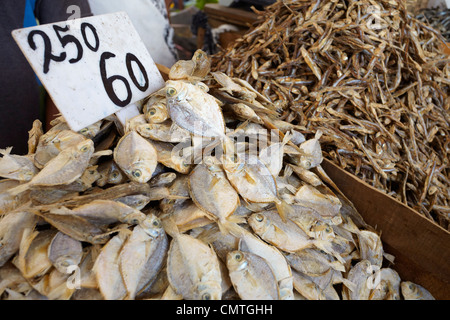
(108, 81)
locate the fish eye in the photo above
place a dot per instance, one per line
(199, 55)
(156, 223)
(152, 111)
(206, 296)
(114, 174)
(328, 229)
(65, 264)
(411, 286)
(84, 130)
(136, 173)
(238, 256)
(185, 164)
(171, 91)
(259, 217)
(84, 148)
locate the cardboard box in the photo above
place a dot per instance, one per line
(421, 247)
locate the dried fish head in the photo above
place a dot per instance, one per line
(91, 130)
(182, 69)
(110, 173)
(311, 152)
(202, 64)
(136, 201)
(414, 291)
(155, 109)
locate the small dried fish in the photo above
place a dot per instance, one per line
(136, 157)
(252, 277)
(53, 142)
(65, 168)
(193, 268)
(33, 260)
(107, 268)
(212, 192)
(12, 227)
(64, 252)
(143, 255)
(16, 167)
(254, 181)
(276, 260)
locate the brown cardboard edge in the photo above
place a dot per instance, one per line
(421, 247)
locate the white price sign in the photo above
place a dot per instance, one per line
(91, 67)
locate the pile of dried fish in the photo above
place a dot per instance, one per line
(437, 18)
(373, 79)
(157, 210)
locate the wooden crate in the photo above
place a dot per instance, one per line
(421, 247)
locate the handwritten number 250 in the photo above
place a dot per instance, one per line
(107, 81)
(64, 40)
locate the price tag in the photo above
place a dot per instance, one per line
(91, 67)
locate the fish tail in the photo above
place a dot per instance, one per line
(284, 209)
(231, 226)
(170, 226)
(389, 257)
(325, 246)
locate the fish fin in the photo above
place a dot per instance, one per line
(389, 257)
(170, 226)
(350, 285)
(249, 178)
(208, 148)
(213, 182)
(209, 235)
(28, 235)
(283, 209)
(19, 189)
(318, 134)
(239, 127)
(102, 153)
(287, 137)
(6, 151)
